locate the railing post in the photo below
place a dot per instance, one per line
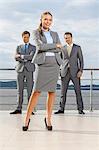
(91, 86)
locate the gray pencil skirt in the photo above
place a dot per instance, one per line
(46, 75)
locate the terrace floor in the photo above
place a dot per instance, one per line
(71, 131)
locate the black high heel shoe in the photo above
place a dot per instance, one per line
(47, 127)
(25, 128)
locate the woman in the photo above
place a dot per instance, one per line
(48, 61)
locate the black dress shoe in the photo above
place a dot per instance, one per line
(16, 112)
(47, 127)
(81, 112)
(25, 128)
(59, 112)
(33, 113)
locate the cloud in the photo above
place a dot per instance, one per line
(80, 17)
(87, 28)
(81, 2)
(6, 60)
(75, 10)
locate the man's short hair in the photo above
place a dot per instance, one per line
(68, 33)
(25, 32)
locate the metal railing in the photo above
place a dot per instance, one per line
(91, 79)
(91, 85)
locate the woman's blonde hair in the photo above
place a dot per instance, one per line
(40, 26)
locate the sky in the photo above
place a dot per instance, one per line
(81, 17)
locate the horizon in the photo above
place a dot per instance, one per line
(80, 17)
(9, 81)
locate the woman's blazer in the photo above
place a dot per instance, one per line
(42, 47)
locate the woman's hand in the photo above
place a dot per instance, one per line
(79, 74)
(17, 56)
(58, 45)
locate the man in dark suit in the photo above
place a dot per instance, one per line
(73, 59)
(24, 68)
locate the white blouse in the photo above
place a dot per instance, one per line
(49, 40)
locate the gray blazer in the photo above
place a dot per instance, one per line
(75, 60)
(42, 46)
(28, 56)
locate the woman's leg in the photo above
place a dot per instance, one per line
(49, 106)
(31, 105)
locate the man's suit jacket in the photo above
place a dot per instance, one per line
(75, 60)
(28, 56)
(42, 46)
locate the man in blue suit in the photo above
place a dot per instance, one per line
(24, 68)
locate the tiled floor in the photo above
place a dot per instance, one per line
(70, 132)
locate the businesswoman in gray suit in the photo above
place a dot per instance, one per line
(48, 62)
